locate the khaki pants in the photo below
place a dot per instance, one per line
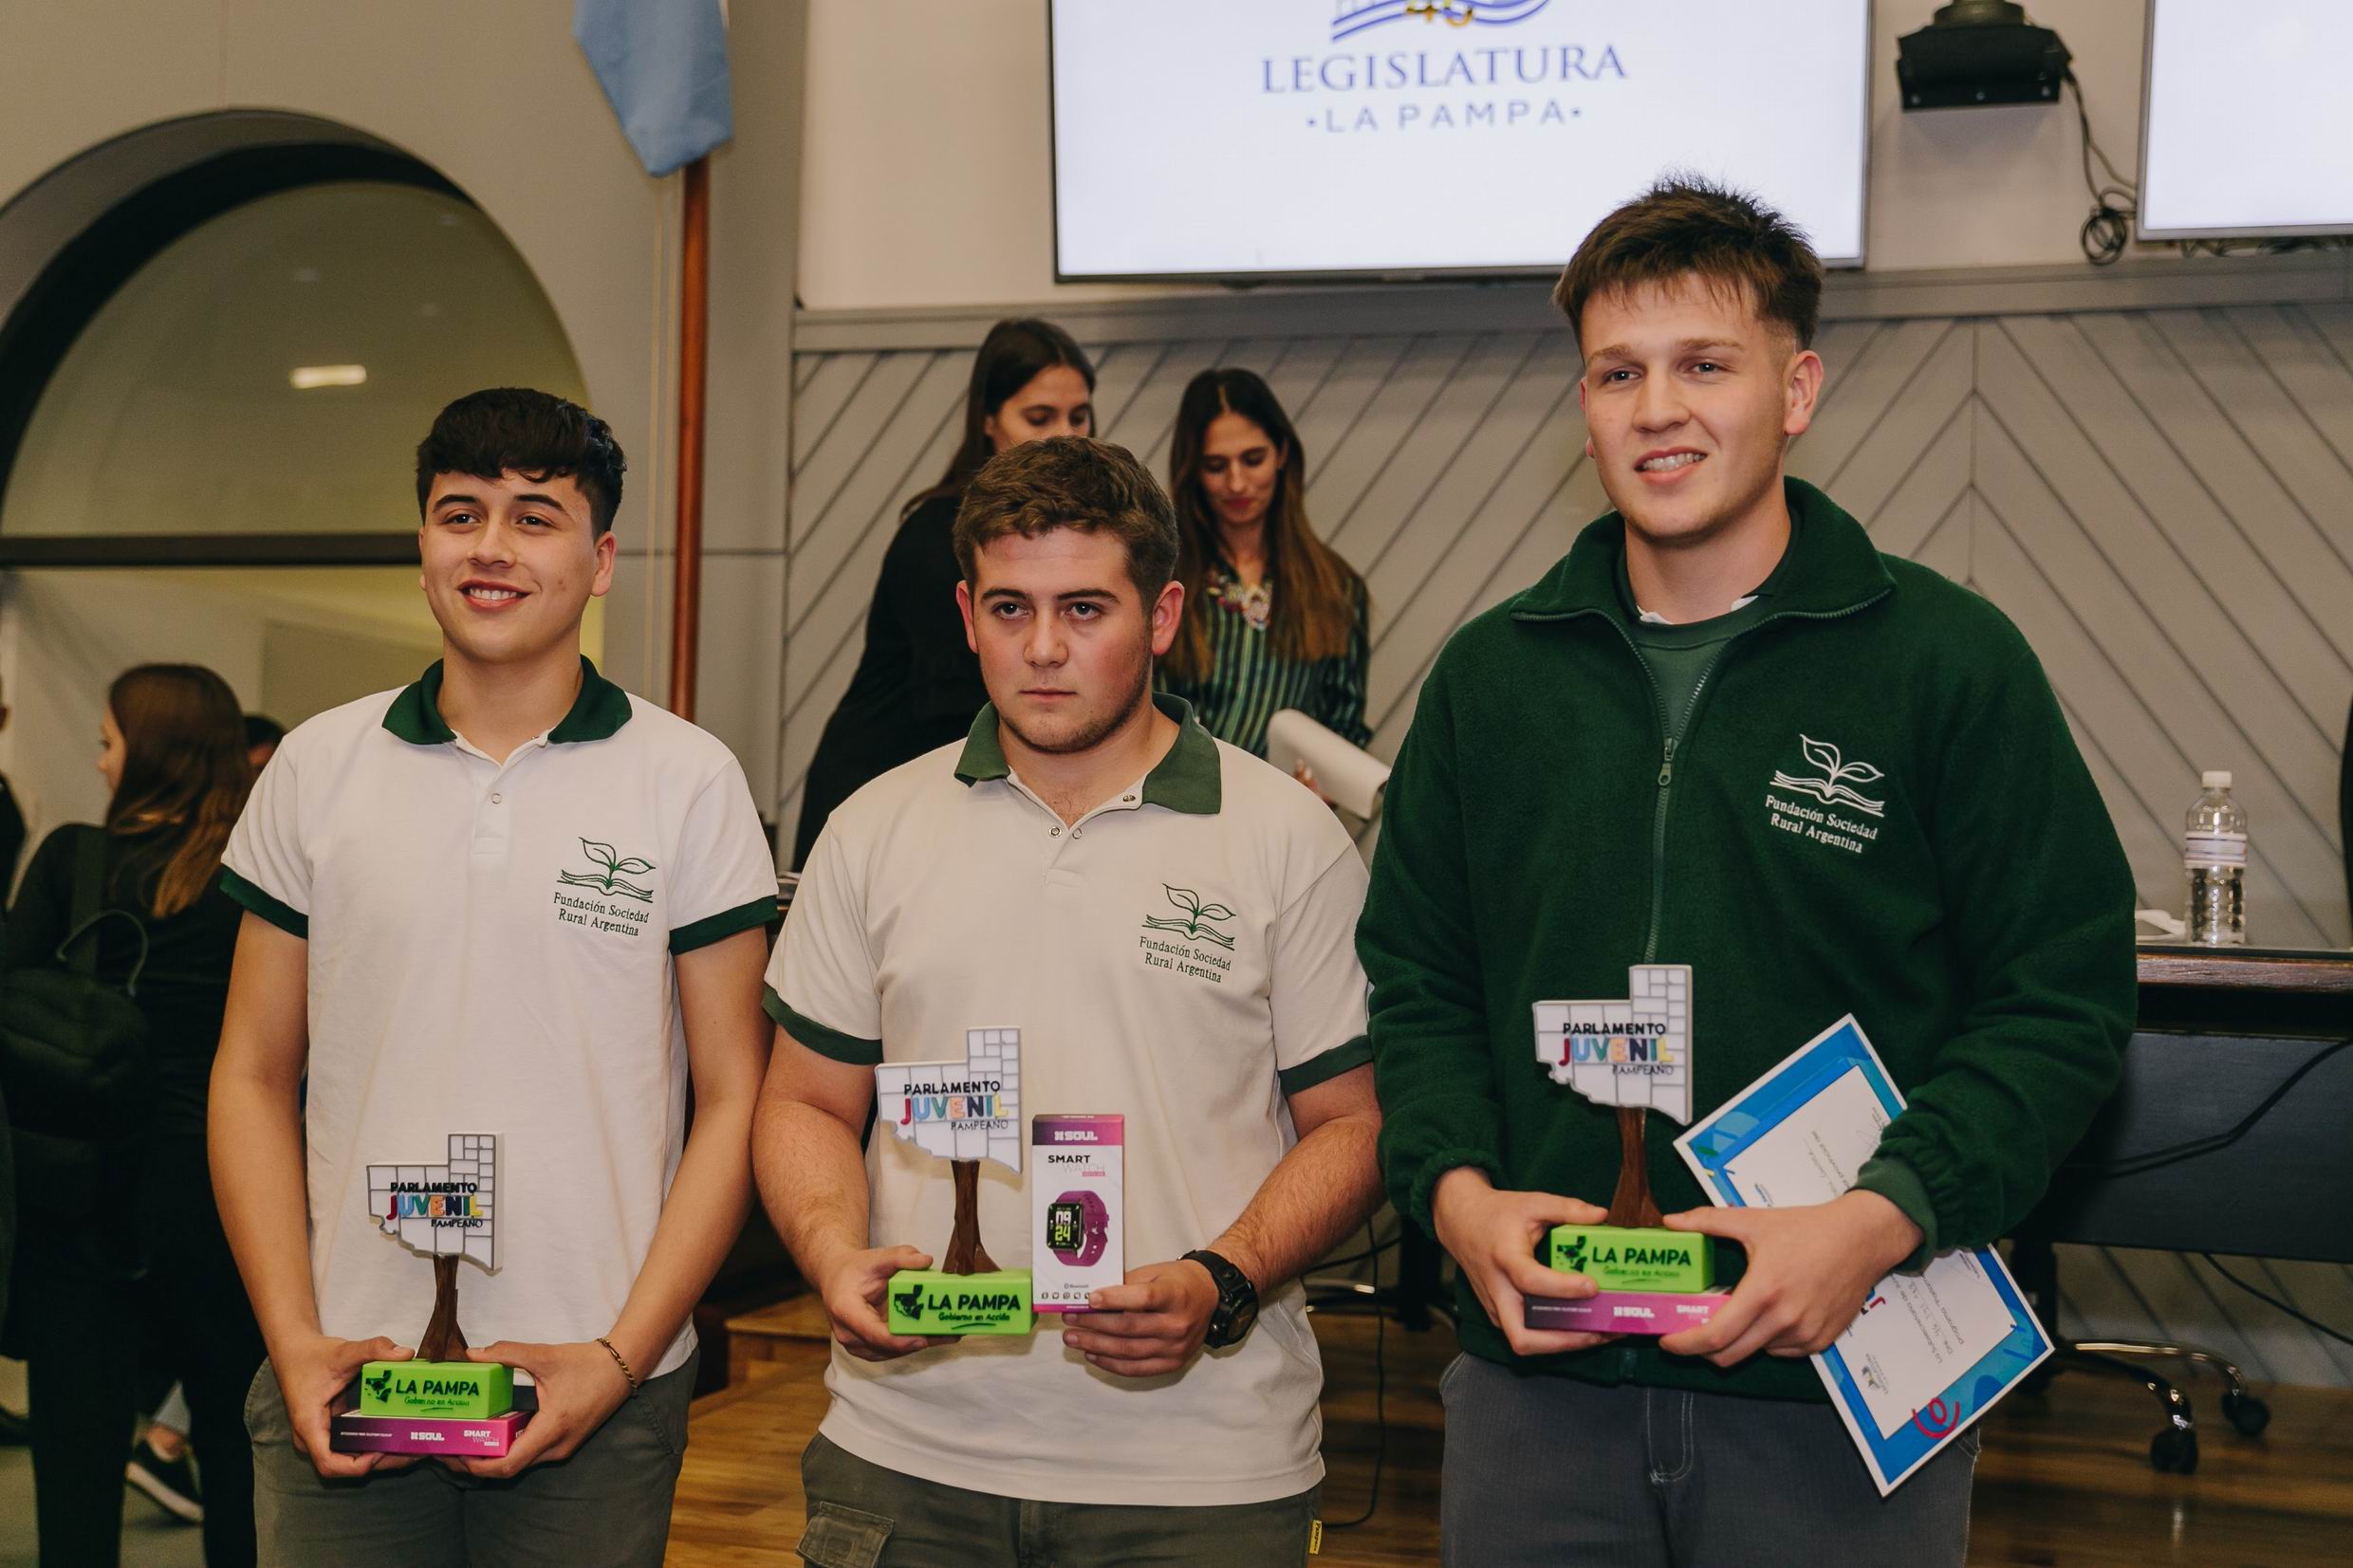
(863, 1515)
(608, 1506)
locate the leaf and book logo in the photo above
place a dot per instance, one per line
(611, 877)
(1195, 925)
(1830, 789)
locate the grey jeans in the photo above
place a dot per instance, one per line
(863, 1515)
(608, 1504)
(1548, 1473)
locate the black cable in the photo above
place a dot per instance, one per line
(2108, 231)
(1365, 1256)
(2134, 1164)
(2312, 1324)
(2116, 202)
(1380, 1391)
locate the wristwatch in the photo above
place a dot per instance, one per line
(1237, 1302)
(1078, 1226)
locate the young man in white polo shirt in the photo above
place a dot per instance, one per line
(509, 900)
(1030, 877)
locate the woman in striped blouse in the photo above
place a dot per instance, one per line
(1274, 618)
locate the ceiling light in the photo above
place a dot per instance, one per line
(307, 377)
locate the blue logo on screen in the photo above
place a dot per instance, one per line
(1354, 16)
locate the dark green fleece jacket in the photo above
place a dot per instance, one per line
(1875, 808)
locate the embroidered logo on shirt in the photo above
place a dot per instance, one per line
(609, 880)
(609, 901)
(1197, 916)
(1843, 818)
(1162, 952)
(1830, 789)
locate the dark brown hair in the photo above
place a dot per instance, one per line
(537, 434)
(184, 780)
(1316, 593)
(1685, 225)
(1014, 354)
(1070, 482)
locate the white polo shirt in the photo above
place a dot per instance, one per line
(491, 951)
(1183, 956)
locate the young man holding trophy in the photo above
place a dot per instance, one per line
(1094, 915)
(1729, 755)
(499, 924)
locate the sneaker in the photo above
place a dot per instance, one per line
(172, 1483)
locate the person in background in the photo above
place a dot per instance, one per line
(1274, 618)
(262, 735)
(12, 823)
(160, 1467)
(917, 685)
(172, 754)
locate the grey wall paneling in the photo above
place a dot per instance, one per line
(2151, 473)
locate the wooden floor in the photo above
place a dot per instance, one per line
(2065, 1482)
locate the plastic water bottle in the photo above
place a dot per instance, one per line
(2213, 856)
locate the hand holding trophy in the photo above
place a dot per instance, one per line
(438, 1402)
(964, 1112)
(1636, 1055)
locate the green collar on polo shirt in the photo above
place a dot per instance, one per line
(601, 709)
(1187, 779)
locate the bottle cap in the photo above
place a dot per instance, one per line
(2215, 779)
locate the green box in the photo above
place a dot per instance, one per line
(451, 1391)
(1675, 1263)
(929, 1301)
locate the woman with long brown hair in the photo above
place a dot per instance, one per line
(147, 1286)
(917, 683)
(1274, 617)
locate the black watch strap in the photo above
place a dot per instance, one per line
(1237, 1300)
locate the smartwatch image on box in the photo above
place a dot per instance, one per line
(1076, 1227)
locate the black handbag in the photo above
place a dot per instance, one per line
(77, 1082)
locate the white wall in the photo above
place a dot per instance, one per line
(498, 98)
(65, 634)
(926, 177)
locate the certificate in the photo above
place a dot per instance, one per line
(1929, 1353)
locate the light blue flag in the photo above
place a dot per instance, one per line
(663, 64)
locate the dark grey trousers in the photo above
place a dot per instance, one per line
(608, 1506)
(1548, 1473)
(863, 1515)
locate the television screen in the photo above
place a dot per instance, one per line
(1255, 138)
(2246, 126)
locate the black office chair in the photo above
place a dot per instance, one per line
(2035, 1264)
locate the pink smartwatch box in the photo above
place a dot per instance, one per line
(1074, 1209)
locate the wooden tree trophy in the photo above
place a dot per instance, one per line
(438, 1402)
(963, 1111)
(1636, 1055)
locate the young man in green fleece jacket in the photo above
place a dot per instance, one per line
(1589, 784)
